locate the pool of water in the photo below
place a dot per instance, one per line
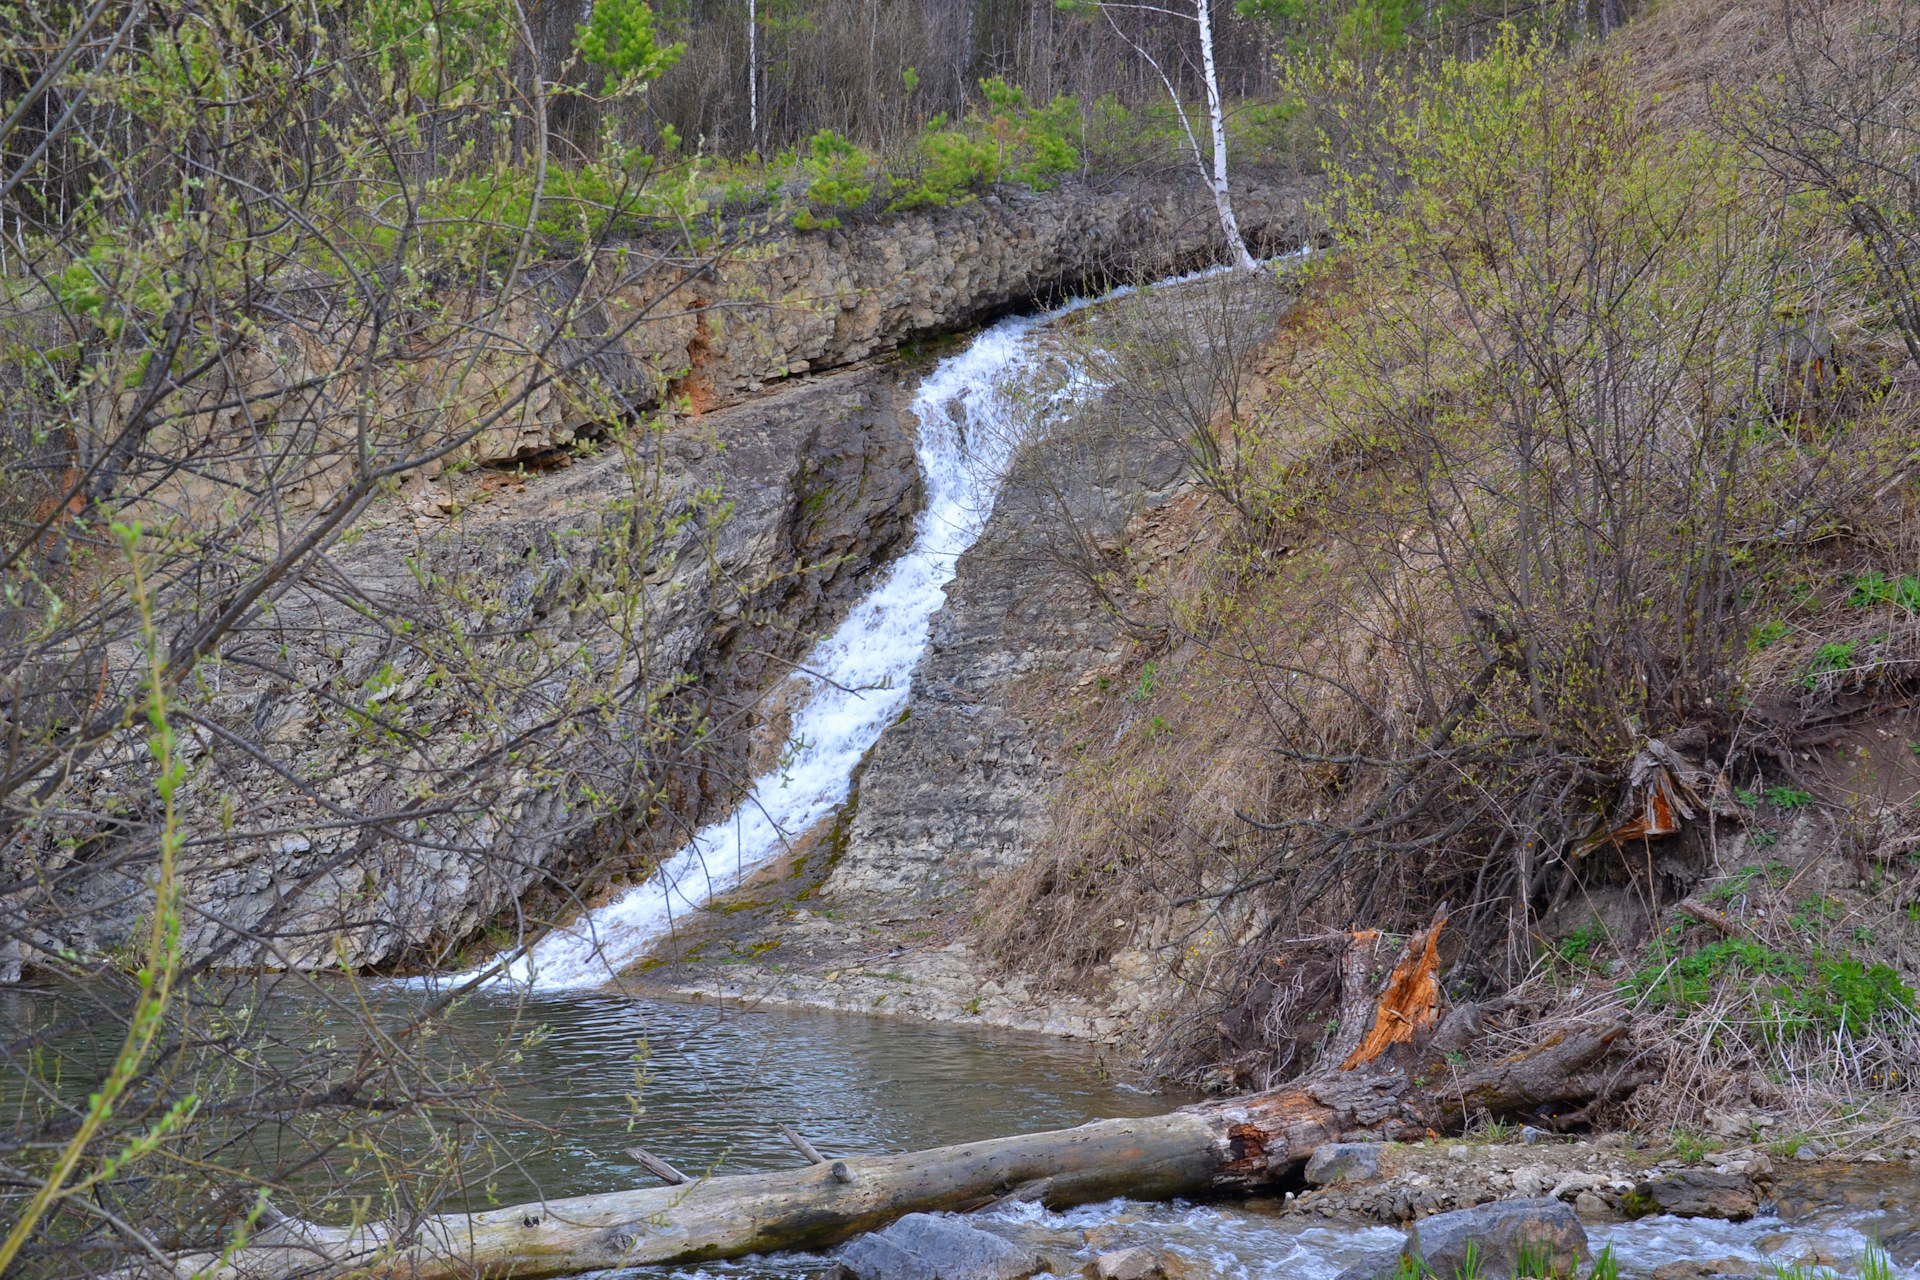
(584, 1075)
(714, 1081)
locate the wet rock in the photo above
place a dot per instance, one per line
(1343, 1162)
(1786, 1250)
(1139, 1263)
(1379, 1265)
(1697, 1269)
(1495, 1234)
(1696, 1193)
(923, 1246)
(1903, 1247)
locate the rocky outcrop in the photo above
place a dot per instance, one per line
(955, 792)
(500, 669)
(810, 300)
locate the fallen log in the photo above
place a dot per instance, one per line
(1218, 1147)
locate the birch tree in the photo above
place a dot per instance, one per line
(1213, 168)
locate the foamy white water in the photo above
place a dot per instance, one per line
(860, 675)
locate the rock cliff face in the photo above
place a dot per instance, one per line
(495, 619)
(698, 560)
(950, 792)
(874, 914)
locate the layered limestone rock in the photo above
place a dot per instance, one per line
(951, 792)
(873, 915)
(819, 299)
(516, 607)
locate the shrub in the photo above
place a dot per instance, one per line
(840, 178)
(1829, 658)
(620, 37)
(1010, 139)
(1785, 797)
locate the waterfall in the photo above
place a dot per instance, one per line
(859, 675)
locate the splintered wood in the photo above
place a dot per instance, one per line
(1410, 1002)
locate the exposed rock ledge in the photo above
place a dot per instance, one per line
(824, 299)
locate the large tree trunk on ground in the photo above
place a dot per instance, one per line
(1219, 1147)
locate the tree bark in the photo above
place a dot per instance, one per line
(1229, 1146)
(1216, 115)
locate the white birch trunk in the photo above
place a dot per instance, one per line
(753, 76)
(1222, 196)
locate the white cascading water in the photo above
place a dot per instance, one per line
(860, 675)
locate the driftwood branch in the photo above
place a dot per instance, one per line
(804, 1147)
(657, 1167)
(1695, 909)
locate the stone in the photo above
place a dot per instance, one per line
(1730, 1124)
(1531, 1181)
(1591, 1207)
(1462, 1154)
(1569, 1185)
(1696, 1268)
(925, 1246)
(1343, 1162)
(1696, 1193)
(1756, 1166)
(1903, 1247)
(1382, 1264)
(1102, 1237)
(1142, 1262)
(1495, 1234)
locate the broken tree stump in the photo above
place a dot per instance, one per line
(1410, 1002)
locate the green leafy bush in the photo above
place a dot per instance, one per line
(1837, 656)
(1785, 797)
(1877, 588)
(1010, 139)
(840, 179)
